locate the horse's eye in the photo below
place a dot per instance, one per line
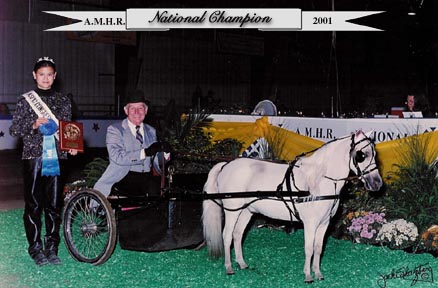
(360, 156)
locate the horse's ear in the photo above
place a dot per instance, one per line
(358, 132)
(369, 133)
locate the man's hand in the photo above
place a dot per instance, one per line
(153, 149)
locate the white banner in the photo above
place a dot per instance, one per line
(246, 18)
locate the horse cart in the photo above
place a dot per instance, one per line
(151, 221)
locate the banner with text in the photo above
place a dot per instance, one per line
(243, 18)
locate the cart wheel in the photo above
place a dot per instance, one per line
(89, 227)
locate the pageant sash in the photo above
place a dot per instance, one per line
(50, 164)
(38, 105)
(40, 108)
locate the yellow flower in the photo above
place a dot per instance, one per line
(431, 235)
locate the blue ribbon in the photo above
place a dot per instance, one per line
(50, 165)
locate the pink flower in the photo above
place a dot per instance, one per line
(366, 234)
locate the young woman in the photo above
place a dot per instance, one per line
(35, 120)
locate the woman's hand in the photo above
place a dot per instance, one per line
(73, 152)
(40, 121)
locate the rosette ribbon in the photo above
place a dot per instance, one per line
(50, 164)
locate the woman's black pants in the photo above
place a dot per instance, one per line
(41, 193)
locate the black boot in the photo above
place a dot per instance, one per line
(52, 257)
(40, 259)
(51, 250)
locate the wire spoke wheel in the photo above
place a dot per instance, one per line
(89, 227)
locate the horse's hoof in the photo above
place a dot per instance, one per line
(319, 276)
(229, 270)
(308, 279)
(243, 266)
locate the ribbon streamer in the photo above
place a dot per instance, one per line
(50, 164)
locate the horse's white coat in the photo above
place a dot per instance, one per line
(322, 173)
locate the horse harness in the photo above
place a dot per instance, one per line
(303, 196)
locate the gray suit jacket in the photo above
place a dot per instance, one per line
(124, 154)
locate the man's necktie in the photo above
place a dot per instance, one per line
(138, 135)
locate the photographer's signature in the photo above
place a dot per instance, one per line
(420, 273)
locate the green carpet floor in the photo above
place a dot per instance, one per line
(275, 258)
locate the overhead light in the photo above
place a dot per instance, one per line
(411, 11)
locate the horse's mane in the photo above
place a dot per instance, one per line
(317, 154)
(320, 159)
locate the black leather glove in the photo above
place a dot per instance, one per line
(153, 149)
(166, 147)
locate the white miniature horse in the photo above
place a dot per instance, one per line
(322, 174)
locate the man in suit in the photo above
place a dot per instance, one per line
(131, 145)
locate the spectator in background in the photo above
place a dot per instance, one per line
(410, 103)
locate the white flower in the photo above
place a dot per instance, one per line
(398, 233)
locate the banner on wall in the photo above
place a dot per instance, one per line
(162, 19)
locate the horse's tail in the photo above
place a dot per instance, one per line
(212, 214)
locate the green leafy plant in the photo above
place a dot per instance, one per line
(413, 193)
(91, 173)
(355, 197)
(193, 150)
(93, 170)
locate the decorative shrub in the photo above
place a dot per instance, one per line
(93, 170)
(413, 193)
(354, 197)
(364, 226)
(398, 234)
(193, 150)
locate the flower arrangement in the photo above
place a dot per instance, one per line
(364, 226)
(429, 239)
(398, 234)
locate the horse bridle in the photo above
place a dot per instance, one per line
(359, 156)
